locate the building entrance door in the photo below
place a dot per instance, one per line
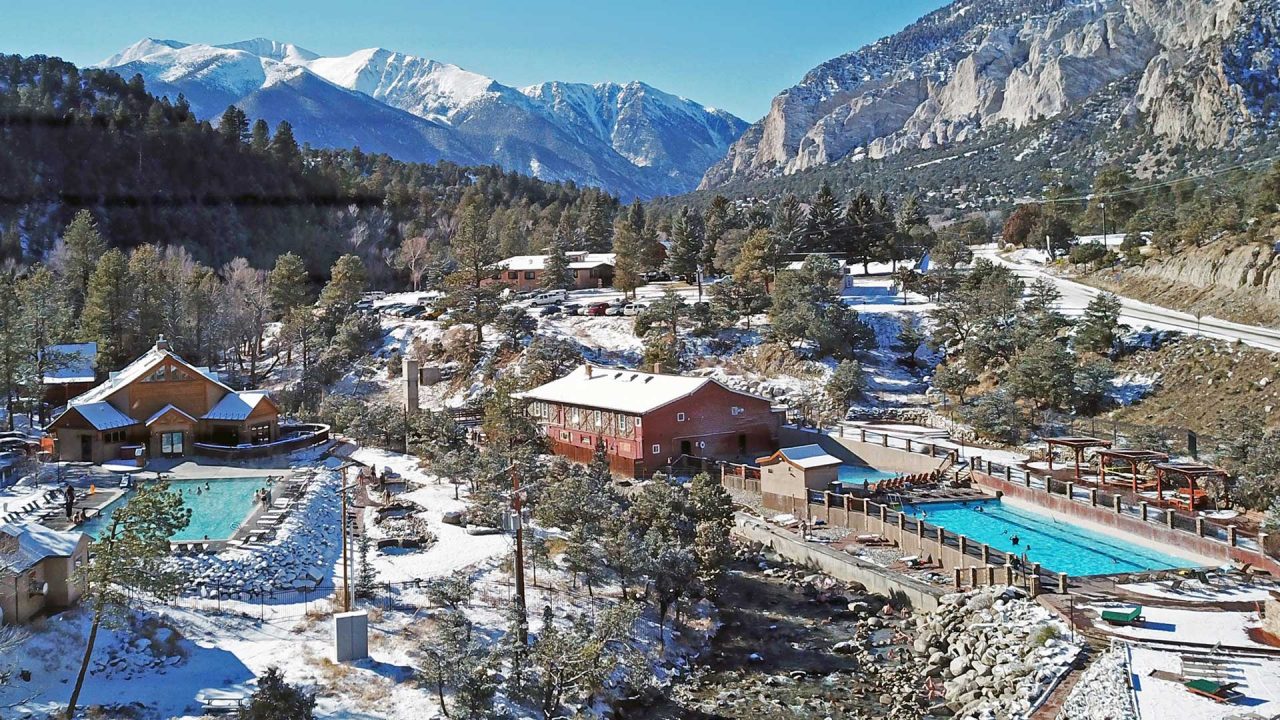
(686, 447)
(86, 447)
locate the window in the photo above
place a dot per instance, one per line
(564, 436)
(513, 275)
(171, 443)
(598, 418)
(735, 410)
(657, 448)
(157, 376)
(528, 274)
(637, 422)
(622, 422)
(260, 433)
(575, 415)
(679, 417)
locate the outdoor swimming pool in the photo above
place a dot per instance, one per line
(216, 513)
(1057, 545)
(856, 474)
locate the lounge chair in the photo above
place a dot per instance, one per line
(1215, 691)
(1175, 585)
(1118, 617)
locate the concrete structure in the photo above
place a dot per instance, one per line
(351, 636)
(793, 471)
(38, 570)
(410, 377)
(589, 270)
(649, 420)
(163, 404)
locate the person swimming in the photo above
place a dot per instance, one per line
(980, 509)
(1014, 539)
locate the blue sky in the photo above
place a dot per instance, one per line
(732, 55)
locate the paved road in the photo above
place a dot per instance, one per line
(1137, 315)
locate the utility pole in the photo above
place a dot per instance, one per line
(521, 606)
(1048, 247)
(1102, 204)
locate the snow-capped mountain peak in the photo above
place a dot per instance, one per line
(631, 139)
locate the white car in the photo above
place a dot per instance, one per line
(553, 297)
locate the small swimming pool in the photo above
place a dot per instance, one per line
(1057, 545)
(216, 512)
(855, 475)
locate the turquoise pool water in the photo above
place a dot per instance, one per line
(856, 474)
(216, 513)
(1057, 545)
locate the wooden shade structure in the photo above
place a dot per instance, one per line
(1108, 457)
(1191, 472)
(1077, 445)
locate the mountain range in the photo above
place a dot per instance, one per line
(630, 139)
(1038, 84)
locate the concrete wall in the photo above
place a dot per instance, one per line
(851, 450)
(903, 590)
(1104, 516)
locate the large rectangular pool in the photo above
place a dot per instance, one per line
(1057, 545)
(219, 506)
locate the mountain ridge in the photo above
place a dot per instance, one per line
(629, 138)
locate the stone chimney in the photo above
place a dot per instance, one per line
(411, 379)
(657, 368)
(161, 343)
(589, 369)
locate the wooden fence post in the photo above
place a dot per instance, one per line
(1115, 502)
(1142, 508)
(1231, 535)
(1093, 497)
(1062, 583)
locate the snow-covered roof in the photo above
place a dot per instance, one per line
(78, 360)
(101, 415)
(628, 391)
(160, 413)
(804, 456)
(137, 370)
(37, 542)
(577, 259)
(236, 405)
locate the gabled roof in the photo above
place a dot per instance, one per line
(628, 391)
(577, 259)
(161, 412)
(803, 456)
(101, 415)
(36, 543)
(78, 361)
(139, 369)
(238, 405)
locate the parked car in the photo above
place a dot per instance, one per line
(597, 309)
(414, 311)
(572, 309)
(549, 310)
(656, 276)
(551, 297)
(616, 309)
(634, 308)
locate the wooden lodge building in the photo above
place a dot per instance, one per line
(648, 420)
(524, 272)
(164, 405)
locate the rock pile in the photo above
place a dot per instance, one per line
(300, 557)
(130, 656)
(1102, 692)
(993, 653)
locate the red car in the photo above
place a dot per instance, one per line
(596, 309)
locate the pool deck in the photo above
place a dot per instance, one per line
(90, 504)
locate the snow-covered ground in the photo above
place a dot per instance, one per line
(1158, 698)
(1177, 625)
(1192, 590)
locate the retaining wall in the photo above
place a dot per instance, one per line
(901, 589)
(851, 449)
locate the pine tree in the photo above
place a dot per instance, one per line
(260, 140)
(824, 222)
(1098, 329)
(150, 291)
(277, 700)
(289, 284)
(105, 319)
(556, 274)
(82, 248)
(284, 147)
(347, 281)
(595, 224)
(627, 273)
(233, 125)
(45, 320)
(715, 224)
(686, 244)
(366, 574)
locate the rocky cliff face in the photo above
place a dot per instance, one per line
(1207, 72)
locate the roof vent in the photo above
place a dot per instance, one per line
(161, 343)
(648, 378)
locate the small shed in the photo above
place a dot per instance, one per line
(794, 471)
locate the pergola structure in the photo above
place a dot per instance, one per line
(1109, 458)
(1078, 445)
(1191, 472)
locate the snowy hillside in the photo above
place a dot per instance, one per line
(631, 139)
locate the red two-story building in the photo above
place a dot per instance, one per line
(648, 420)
